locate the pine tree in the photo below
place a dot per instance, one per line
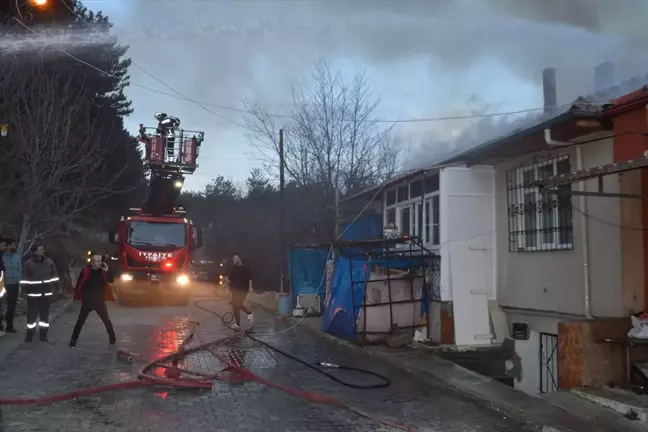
(85, 56)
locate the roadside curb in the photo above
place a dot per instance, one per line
(530, 412)
(11, 342)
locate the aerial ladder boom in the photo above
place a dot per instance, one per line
(171, 154)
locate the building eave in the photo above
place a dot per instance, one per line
(501, 144)
(417, 172)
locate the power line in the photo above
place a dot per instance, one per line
(233, 158)
(180, 95)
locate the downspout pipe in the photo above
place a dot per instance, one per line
(587, 294)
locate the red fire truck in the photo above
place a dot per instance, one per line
(156, 242)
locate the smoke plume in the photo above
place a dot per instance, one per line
(222, 51)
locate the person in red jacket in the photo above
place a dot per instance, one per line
(93, 291)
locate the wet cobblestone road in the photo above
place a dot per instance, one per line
(39, 369)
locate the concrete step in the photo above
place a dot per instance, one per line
(630, 405)
(494, 352)
(592, 412)
(490, 368)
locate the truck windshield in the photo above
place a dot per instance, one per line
(156, 234)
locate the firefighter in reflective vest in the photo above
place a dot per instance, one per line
(38, 279)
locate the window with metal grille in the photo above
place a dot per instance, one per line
(540, 219)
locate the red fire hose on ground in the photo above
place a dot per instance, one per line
(173, 376)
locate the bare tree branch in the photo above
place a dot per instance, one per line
(330, 138)
(55, 155)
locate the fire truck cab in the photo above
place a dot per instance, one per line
(155, 257)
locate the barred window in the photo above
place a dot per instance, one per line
(539, 219)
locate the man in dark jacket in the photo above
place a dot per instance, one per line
(93, 290)
(39, 277)
(240, 283)
(13, 271)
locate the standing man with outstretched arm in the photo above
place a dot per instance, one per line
(93, 290)
(39, 277)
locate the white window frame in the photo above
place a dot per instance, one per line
(414, 222)
(429, 198)
(540, 243)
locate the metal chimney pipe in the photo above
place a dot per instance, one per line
(549, 90)
(603, 76)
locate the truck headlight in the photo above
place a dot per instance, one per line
(126, 277)
(182, 279)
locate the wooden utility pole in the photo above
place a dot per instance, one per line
(337, 213)
(282, 207)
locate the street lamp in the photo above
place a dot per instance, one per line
(39, 3)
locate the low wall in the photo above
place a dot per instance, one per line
(585, 359)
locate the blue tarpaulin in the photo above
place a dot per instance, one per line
(366, 227)
(343, 302)
(307, 266)
(340, 315)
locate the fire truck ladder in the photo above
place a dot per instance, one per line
(171, 154)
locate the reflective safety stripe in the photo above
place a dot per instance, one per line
(28, 282)
(43, 324)
(31, 326)
(48, 294)
(34, 295)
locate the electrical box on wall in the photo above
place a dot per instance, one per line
(521, 331)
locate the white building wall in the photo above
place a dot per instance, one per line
(468, 249)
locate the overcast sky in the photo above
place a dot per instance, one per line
(425, 58)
